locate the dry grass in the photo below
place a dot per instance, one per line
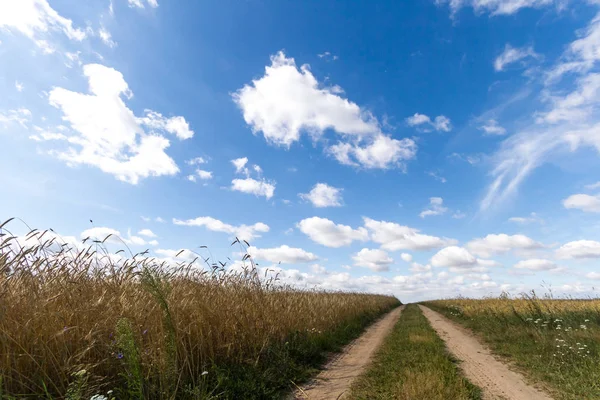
(76, 322)
(555, 342)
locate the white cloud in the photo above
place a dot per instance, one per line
(568, 122)
(395, 237)
(21, 116)
(382, 152)
(436, 207)
(579, 249)
(159, 219)
(175, 125)
(459, 215)
(512, 55)
(147, 233)
(326, 55)
(471, 159)
(35, 19)
(140, 3)
(453, 256)
(491, 127)
(106, 37)
(107, 133)
(375, 259)
(533, 218)
(440, 123)
(110, 235)
(536, 264)
(583, 202)
(202, 174)
(196, 161)
(289, 100)
(19, 86)
(101, 233)
(284, 254)
(458, 259)
(593, 186)
(240, 165)
(323, 195)
(406, 257)
(593, 275)
(177, 256)
(253, 186)
(501, 243)
(327, 233)
(437, 176)
(243, 232)
(498, 7)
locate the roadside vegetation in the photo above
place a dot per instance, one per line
(413, 363)
(77, 322)
(554, 342)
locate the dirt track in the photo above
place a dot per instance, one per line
(335, 380)
(495, 378)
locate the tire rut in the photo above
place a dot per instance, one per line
(339, 373)
(495, 379)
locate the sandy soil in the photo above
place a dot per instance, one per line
(335, 380)
(494, 377)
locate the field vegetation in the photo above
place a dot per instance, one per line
(413, 364)
(555, 342)
(77, 322)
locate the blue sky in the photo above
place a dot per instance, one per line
(425, 149)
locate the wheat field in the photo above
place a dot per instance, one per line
(78, 322)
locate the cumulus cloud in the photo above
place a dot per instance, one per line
(322, 195)
(240, 165)
(288, 100)
(537, 264)
(200, 174)
(406, 257)
(284, 254)
(440, 123)
(106, 133)
(393, 237)
(177, 125)
(500, 244)
(583, 202)
(243, 232)
(177, 256)
(147, 232)
(330, 234)
(436, 207)
(36, 19)
(459, 259)
(579, 249)
(257, 187)
(511, 55)
(382, 152)
(253, 186)
(491, 127)
(375, 259)
(110, 235)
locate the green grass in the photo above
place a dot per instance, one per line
(413, 363)
(554, 343)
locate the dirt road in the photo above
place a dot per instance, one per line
(335, 380)
(494, 377)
